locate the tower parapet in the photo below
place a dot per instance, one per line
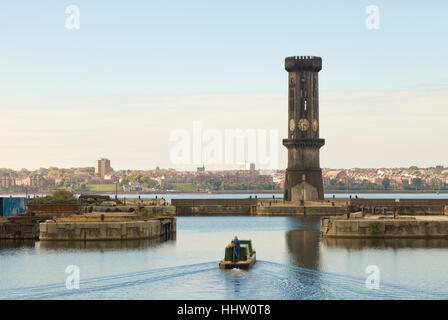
(303, 63)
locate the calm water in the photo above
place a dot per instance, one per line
(293, 263)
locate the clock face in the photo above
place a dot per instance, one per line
(292, 125)
(315, 125)
(304, 124)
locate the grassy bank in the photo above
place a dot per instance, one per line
(101, 187)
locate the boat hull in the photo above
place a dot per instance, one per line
(242, 264)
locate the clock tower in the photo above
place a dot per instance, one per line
(303, 175)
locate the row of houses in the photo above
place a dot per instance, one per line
(396, 177)
(208, 176)
(40, 181)
(7, 181)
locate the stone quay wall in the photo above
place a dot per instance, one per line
(126, 230)
(403, 206)
(19, 231)
(214, 207)
(288, 210)
(402, 227)
(254, 206)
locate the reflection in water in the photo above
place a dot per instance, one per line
(303, 245)
(105, 245)
(16, 244)
(359, 244)
(235, 279)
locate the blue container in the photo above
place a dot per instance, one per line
(10, 207)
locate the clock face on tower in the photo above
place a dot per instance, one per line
(292, 125)
(304, 124)
(315, 125)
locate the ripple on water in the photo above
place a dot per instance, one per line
(266, 280)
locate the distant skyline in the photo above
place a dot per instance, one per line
(132, 74)
(235, 169)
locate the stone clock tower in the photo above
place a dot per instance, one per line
(303, 176)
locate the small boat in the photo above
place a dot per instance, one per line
(247, 257)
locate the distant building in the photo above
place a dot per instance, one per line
(252, 167)
(201, 169)
(7, 182)
(111, 178)
(35, 181)
(102, 167)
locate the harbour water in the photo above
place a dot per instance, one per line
(293, 263)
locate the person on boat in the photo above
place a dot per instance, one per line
(236, 248)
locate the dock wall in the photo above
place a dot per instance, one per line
(300, 211)
(404, 206)
(384, 228)
(214, 207)
(87, 231)
(19, 231)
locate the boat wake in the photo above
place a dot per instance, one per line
(266, 280)
(120, 281)
(314, 284)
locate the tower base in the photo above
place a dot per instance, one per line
(304, 185)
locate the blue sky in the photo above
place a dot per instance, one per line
(127, 52)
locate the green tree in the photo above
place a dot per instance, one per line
(24, 172)
(386, 183)
(417, 182)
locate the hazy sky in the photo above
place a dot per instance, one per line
(136, 71)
